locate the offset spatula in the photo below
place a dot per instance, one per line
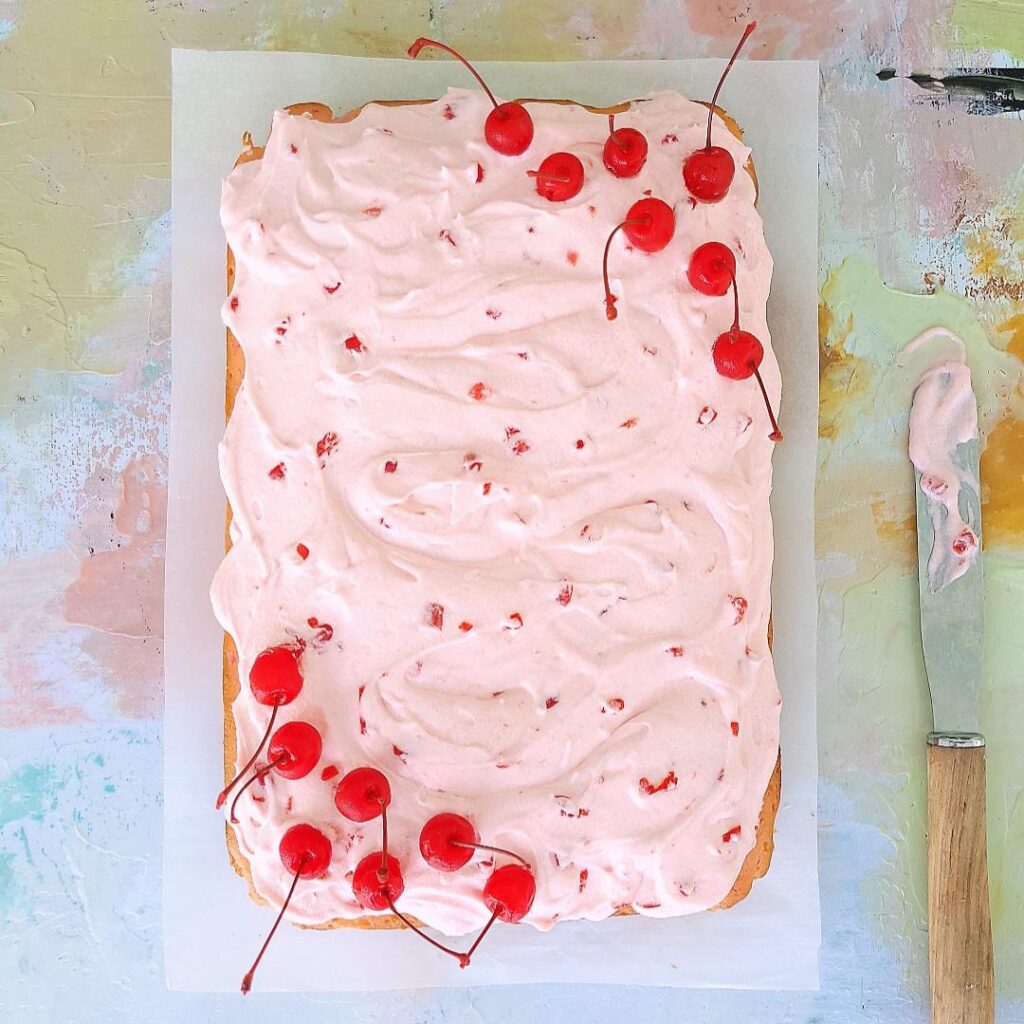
(952, 626)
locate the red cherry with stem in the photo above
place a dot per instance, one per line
(294, 752)
(738, 354)
(708, 172)
(370, 890)
(509, 127)
(559, 177)
(362, 794)
(374, 894)
(509, 894)
(711, 268)
(276, 675)
(649, 225)
(295, 748)
(445, 841)
(275, 680)
(305, 852)
(625, 150)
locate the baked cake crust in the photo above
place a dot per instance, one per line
(758, 859)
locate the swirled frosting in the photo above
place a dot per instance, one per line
(528, 549)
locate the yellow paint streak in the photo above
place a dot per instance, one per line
(837, 370)
(891, 524)
(1002, 475)
(984, 255)
(1015, 328)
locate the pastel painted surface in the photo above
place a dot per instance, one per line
(84, 377)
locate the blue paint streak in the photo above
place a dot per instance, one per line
(80, 843)
(7, 26)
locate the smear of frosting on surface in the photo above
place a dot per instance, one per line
(528, 551)
(944, 416)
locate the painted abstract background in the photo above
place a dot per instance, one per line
(921, 199)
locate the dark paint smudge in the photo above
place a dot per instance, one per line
(985, 91)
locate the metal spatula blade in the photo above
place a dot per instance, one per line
(953, 617)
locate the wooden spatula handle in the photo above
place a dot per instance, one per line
(959, 924)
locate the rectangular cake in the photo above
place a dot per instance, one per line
(523, 550)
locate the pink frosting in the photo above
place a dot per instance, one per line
(529, 550)
(943, 416)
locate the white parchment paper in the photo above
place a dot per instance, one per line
(211, 928)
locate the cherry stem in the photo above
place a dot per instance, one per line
(384, 871)
(252, 778)
(420, 43)
(419, 931)
(464, 962)
(547, 177)
(247, 980)
(492, 849)
(736, 303)
(609, 300)
(223, 795)
(611, 133)
(728, 67)
(776, 434)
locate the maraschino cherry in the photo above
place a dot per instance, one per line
(375, 893)
(294, 752)
(372, 892)
(649, 225)
(305, 852)
(738, 355)
(625, 150)
(559, 177)
(447, 842)
(708, 172)
(508, 894)
(509, 127)
(275, 680)
(711, 268)
(362, 794)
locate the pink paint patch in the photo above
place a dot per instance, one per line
(119, 591)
